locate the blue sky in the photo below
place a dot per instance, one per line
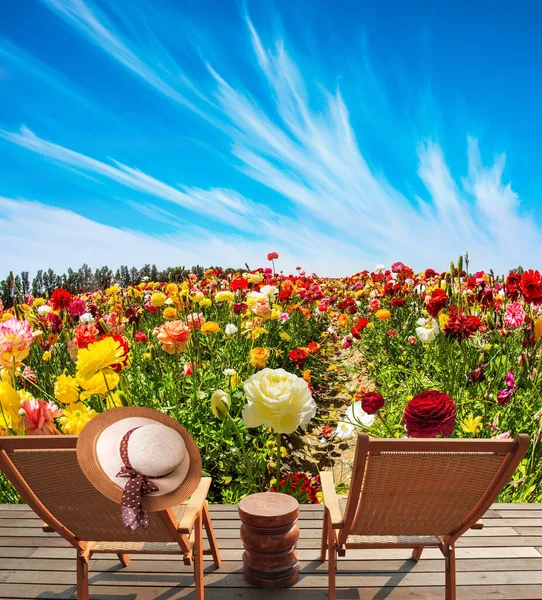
(340, 134)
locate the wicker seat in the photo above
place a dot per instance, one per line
(408, 493)
(46, 473)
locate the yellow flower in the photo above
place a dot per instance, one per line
(158, 299)
(258, 357)
(97, 356)
(10, 403)
(224, 296)
(172, 289)
(471, 424)
(443, 319)
(198, 297)
(113, 400)
(370, 325)
(306, 374)
(113, 290)
(210, 327)
(66, 390)
(343, 320)
(75, 417)
(46, 356)
(254, 277)
(538, 328)
(285, 336)
(97, 384)
(169, 313)
(206, 302)
(235, 380)
(383, 314)
(220, 404)
(38, 302)
(7, 316)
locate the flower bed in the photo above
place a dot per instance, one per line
(240, 359)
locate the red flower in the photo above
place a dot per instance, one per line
(359, 327)
(461, 327)
(531, 286)
(272, 256)
(512, 286)
(430, 273)
(237, 284)
(437, 302)
(117, 367)
(140, 336)
(398, 302)
(298, 356)
(429, 414)
(313, 347)
(54, 322)
(60, 299)
(372, 402)
(85, 334)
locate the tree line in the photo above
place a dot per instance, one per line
(15, 286)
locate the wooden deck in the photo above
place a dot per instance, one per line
(504, 560)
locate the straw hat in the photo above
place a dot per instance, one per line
(156, 447)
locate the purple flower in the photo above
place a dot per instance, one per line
(503, 397)
(509, 380)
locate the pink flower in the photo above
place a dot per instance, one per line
(39, 416)
(514, 315)
(76, 307)
(374, 304)
(15, 341)
(140, 336)
(261, 308)
(195, 320)
(114, 323)
(189, 369)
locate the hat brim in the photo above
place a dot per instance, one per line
(182, 482)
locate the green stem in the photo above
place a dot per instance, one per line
(278, 457)
(385, 424)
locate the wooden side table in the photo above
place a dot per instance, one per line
(270, 532)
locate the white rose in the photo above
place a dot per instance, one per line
(230, 329)
(86, 318)
(278, 399)
(428, 330)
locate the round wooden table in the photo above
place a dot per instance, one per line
(270, 532)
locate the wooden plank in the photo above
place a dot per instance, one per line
(516, 506)
(529, 530)
(51, 542)
(15, 552)
(519, 514)
(346, 565)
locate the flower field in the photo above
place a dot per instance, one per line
(264, 369)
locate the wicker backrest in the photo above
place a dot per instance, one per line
(429, 487)
(54, 476)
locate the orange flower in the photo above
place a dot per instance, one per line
(173, 336)
(343, 320)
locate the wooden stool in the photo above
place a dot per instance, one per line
(270, 532)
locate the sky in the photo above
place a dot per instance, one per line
(339, 134)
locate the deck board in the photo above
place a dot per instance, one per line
(503, 561)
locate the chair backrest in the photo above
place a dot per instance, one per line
(45, 472)
(436, 487)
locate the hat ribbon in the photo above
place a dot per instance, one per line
(138, 486)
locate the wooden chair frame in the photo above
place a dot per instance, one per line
(337, 525)
(186, 532)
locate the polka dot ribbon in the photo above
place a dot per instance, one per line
(139, 485)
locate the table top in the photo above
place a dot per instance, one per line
(268, 508)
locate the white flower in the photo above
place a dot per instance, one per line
(354, 419)
(229, 372)
(86, 318)
(230, 329)
(278, 399)
(380, 268)
(220, 404)
(43, 310)
(270, 292)
(169, 302)
(428, 329)
(419, 289)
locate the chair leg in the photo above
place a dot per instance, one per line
(198, 557)
(211, 535)
(450, 573)
(332, 558)
(124, 559)
(417, 553)
(82, 578)
(323, 545)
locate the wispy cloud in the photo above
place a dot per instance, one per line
(298, 141)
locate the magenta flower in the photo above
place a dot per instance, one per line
(504, 396)
(76, 307)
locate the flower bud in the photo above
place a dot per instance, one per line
(220, 404)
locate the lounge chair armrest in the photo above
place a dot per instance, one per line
(478, 525)
(194, 505)
(46, 528)
(331, 500)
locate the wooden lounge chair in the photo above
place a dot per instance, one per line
(46, 473)
(415, 493)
